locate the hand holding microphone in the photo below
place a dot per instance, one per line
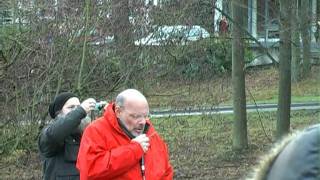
(143, 140)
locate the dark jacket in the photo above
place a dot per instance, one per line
(296, 158)
(59, 145)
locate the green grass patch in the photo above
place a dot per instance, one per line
(261, 87)
(294, 99)
(201, 146)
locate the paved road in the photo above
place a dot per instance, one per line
(229, 109)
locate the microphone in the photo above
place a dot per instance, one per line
(143, 168)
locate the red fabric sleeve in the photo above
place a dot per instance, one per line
(96, 161)
(169, 171)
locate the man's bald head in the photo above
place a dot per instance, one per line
(132, 110)
(130, 95)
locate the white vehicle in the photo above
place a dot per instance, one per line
(178, 35)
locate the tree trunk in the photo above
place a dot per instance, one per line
(296, 51)
(318, 22)
(123, 37)
(305, 22)
(240, 139)
(317, 35)
(284, 99)
(84, 49)
(213, 16)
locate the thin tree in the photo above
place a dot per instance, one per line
(240, 139)
(305, 22)
(83, 58)
(317, 35)
(213, 15)
(296, 57)
(123, 35)
(284, 99)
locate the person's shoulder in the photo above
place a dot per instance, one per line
(301, 147)
(156, 137)
(314, 128)
(97, 123)
(92, 130)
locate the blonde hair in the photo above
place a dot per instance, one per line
(260, 172)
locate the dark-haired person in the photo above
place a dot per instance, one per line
(59, 141)
(123, 144)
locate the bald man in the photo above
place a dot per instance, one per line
(123, 144)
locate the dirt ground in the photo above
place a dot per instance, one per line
(28, 166)
(23, 166)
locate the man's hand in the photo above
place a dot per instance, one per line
(143, 140)
(88, 104)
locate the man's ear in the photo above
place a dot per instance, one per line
(117, 111)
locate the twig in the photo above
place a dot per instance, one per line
(260, 119)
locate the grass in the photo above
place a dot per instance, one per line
(261, 87)
(18, 152)
(294, 99)
(201, 146)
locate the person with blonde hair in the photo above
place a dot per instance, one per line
(296, 157)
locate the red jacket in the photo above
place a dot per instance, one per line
(106, 152)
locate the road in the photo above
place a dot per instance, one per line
(229, 109)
